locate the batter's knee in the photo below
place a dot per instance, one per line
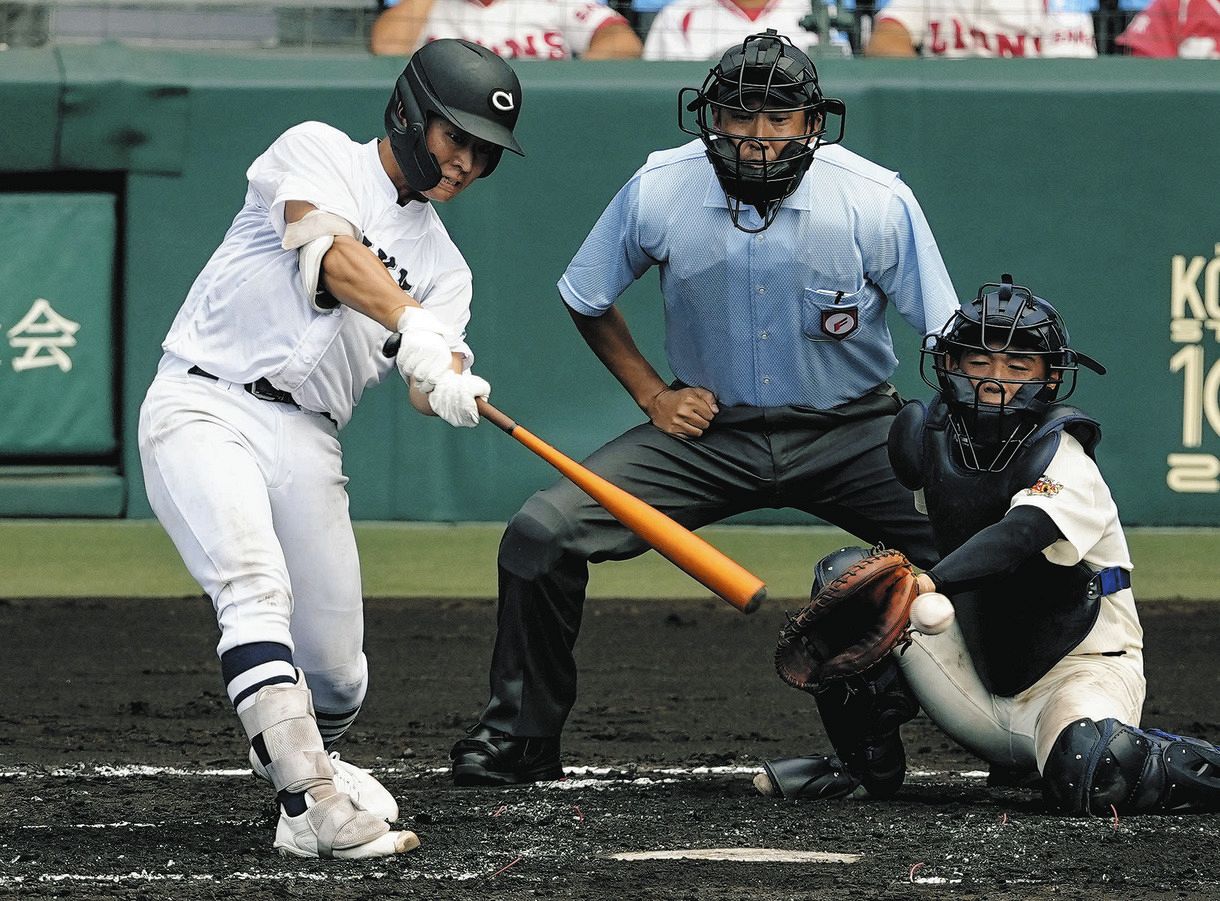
(536, 538)
(1094, 767)
(339, 688)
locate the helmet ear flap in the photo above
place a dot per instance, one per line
(406, 127)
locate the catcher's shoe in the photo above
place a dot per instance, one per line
(813, 778)
(333, 826)
(490, 757)
(355, 782)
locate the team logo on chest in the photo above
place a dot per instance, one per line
(841, 321)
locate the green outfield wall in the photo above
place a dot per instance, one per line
(1094, 181)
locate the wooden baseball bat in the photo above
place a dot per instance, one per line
(675, 542)
(678, 544)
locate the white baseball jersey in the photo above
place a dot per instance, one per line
(1007, 28)
(1101, 677)
(247, 317)
(1074, 495)
(704, 29)
(521, 29)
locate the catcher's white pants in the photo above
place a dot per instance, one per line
(1019, 731)
(252, 493)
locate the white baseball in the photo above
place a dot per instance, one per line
(931, 613)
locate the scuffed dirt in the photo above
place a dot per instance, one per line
(678, 706)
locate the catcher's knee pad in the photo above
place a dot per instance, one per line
(282, 719)
(1095, 765)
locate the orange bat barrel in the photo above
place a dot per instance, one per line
(686, 550)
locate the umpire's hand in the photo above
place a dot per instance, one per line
(682, 412)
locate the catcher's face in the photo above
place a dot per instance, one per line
(997, 377)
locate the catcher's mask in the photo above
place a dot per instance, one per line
(765, 74)
(461, 82)
(1003, 319)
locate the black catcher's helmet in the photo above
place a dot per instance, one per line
(1003, 318)
(834, 565)
(459, 81)
(765, 72)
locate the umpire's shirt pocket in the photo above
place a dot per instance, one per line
(830, 315)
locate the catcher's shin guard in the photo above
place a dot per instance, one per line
(861, 715)
(1094, 765)
(282, 720)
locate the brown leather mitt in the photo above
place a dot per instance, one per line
(850, 624)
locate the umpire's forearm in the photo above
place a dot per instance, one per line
(608, 336)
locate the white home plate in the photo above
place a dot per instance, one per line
(745, 855)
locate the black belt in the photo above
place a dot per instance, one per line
(262, 389)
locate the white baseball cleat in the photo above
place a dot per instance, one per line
(355, 782)
(332, 826)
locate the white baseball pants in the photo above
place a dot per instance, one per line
(252, 493)
(1019, 731)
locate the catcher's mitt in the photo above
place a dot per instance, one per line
(850, 624)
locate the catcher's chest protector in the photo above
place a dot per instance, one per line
(1020, 625)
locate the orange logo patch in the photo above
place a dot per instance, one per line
(1045, 487)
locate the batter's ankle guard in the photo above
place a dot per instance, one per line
(282, 717)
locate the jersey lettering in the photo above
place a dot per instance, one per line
(391, 265)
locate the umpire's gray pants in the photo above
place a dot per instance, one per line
(832, 464)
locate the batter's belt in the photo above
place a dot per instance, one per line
(262, 389)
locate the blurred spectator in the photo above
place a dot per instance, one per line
(514, 29)
(22, 25)
(705, 29)
(1186, 28)
(960, 28)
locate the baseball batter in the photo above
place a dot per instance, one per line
(336, 248)
(1042, 667)
(779, 254)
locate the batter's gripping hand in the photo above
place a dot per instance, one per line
(424, 354)
(453, 398)
(850, 624)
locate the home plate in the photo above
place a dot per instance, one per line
(743, 855)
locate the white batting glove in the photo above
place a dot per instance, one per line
(453, 398)
(424, 354)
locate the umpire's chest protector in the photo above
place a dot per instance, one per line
(1018, 624)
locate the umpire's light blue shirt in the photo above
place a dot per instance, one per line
(794, 315)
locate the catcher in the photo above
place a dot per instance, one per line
(1042, 666)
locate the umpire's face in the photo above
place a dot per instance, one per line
(461, 156)
(762, 134)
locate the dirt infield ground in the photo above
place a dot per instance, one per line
(121, 771)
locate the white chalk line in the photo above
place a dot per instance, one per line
(591, 775)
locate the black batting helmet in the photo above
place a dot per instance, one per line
(766, 72)
(459, 81)
(1002, 318)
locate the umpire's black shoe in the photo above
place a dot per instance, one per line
(490, 757)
